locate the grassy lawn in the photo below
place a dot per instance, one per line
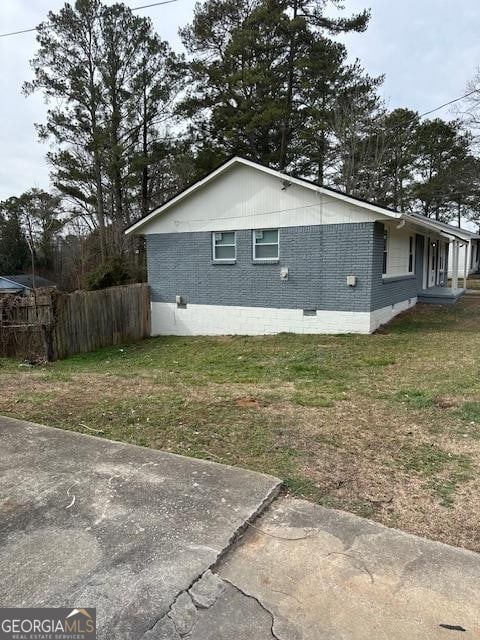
(386, 426)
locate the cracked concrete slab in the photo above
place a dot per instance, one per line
(214, 609)
(87, 522)
(206, 590)
(325, 574)
(183, 614)
(233, 616)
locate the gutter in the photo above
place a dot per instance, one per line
(426, 224)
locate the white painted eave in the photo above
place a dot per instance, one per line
(443, 229)
(430, 225)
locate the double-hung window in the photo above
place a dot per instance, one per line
(411, 254)
(224, 246)
(266, 244)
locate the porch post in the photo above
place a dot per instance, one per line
(466, 265)
(455, 265)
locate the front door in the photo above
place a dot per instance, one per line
(432, 267)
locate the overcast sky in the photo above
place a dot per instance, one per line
(428, 50)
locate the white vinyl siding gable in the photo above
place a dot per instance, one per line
(246, 198)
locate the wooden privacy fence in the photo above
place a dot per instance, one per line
(52, 325)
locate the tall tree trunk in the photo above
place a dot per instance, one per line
(145, 199)
(100, 207)
(321, 158)
(96, 146)
(116, 162)
(286, 128)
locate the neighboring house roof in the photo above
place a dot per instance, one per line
(26, 281)
(365, 204)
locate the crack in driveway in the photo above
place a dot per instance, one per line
(259, 602)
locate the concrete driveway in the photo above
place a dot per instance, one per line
(86, 522)
(149, 539)
(329, 575)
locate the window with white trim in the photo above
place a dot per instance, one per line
(411, 254)
(266, 244)
(224, 246)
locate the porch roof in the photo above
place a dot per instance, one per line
(446, 230)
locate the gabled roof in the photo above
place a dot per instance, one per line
(26, 281)
(136, 226)
(416, 219)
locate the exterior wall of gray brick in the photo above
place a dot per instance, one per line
(319, 259)
(387, 291)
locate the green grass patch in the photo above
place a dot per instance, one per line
(300, 486)
(445, 488)
(379, 361)
(445, 470)
(311, 400)
(470, 411)
(425, 459)
(414, 397)
(342, 419)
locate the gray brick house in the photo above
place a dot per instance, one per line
(249, 250)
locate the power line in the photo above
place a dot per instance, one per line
(155, 4)
(411, 119)
(397, 125)
(446, 104)
(15, 33)
(320, 205)
(145, 6)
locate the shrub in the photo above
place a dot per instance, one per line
(109, 274)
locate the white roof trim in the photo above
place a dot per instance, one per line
(459, 234)
(282, 176)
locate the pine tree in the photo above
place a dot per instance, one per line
(441, 151)
(14, 253)
(91, 64)
(261, 71)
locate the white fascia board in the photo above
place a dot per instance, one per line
(430, 225)
(385, 213)
(442, 228)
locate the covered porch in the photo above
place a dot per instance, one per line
(440, 295)
(436, 287)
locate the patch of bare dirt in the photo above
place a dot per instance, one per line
(251, 403)
(447, 402)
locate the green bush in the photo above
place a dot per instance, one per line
(109, 274)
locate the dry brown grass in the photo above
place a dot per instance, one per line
(386, 426)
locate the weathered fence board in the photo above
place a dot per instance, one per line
(23, 320)
(62, 324)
